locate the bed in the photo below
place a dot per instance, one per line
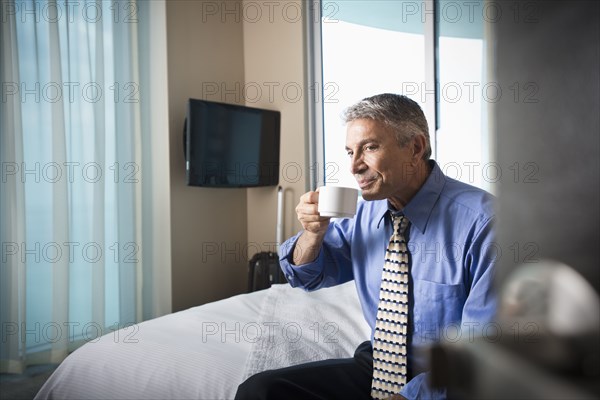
(205, 352)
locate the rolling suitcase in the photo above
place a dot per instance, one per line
(263, 271)
(263, 267)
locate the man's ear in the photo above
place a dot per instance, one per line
(418, 147)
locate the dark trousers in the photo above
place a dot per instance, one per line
(347, 378)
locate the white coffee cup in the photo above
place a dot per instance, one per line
(337, 201)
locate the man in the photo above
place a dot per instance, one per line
(447, 244)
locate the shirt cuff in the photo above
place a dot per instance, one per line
(299, 275)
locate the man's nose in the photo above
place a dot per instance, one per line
(357, 164)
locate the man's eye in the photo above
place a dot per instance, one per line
(371, 147)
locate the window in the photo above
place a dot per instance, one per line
(463, 148)
(362, 48)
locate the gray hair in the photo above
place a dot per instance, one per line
(403, 115)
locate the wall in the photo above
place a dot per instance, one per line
(245, 52)
(274, 73)
(206, 224)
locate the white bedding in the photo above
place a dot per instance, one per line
(205, 352)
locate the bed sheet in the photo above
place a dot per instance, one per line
(205, 352)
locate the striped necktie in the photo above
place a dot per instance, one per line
(389, 343)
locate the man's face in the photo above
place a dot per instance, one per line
(381, 167)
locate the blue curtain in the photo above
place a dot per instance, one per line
(71, 205)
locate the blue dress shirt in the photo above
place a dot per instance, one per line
(452, 251)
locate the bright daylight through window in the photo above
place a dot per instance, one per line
(371, 47)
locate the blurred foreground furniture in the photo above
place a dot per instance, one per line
(544, 345)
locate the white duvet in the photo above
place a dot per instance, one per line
(205, 352)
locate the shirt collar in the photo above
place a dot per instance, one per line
(419, 208)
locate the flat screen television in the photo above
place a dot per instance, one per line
(231, 146)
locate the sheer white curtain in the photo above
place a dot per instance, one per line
(84, 200)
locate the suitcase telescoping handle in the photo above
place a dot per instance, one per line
(263, 268)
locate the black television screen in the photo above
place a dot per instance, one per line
(230, 145)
